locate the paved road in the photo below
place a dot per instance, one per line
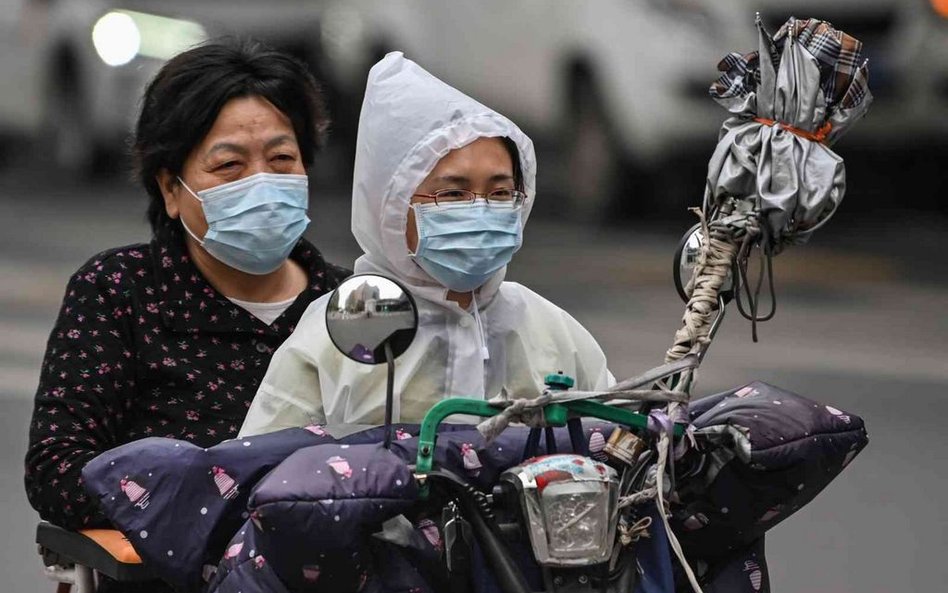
(861, 331)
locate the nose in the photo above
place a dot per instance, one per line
(260, 165)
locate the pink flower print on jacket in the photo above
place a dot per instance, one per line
(135, 493)
(311, 573)
(472, 463)
(401, 435)
(225, 484)
(316, 429)
(259, 562)
(340, 466)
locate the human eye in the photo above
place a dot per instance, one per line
(283, 162)
(227, 166)
(288, 157)
(452, 195)
(502, 195)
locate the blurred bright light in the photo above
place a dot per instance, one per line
(121, 35)
(164, 37)
(116, 38)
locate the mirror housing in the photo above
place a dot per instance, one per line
(368, 311)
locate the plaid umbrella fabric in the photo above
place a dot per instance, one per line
(788, 107)
(843, 71)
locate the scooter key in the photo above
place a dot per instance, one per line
(457, 539)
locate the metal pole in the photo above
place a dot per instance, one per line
(389, 394)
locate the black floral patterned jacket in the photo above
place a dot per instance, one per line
(144, 346)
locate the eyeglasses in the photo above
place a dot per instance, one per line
(499, 198)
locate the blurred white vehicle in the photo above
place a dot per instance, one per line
(613, 84)
(619, 87)
(73, 71)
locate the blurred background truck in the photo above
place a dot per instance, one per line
(613, 91)
(618, 89)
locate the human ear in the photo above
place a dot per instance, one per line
(168, 185)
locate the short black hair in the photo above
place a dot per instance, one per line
(182, 102)
(511, 147)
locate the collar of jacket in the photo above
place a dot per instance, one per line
(189, 303)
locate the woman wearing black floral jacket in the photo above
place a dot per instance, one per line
(171, 338)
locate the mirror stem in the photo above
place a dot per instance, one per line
(389, 393)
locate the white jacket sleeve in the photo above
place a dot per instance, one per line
(592, 368)
(290, 394)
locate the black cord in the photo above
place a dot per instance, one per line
(756, 299)
(750, 311)
(773, 291)
(741, 287)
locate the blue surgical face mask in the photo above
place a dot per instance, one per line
(253, 223)
(462, 246)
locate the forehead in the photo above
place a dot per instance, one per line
(245, 119)
(484, 155)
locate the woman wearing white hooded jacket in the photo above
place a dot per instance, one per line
(442, 189)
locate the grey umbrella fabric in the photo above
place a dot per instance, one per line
(793, 98)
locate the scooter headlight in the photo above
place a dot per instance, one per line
(569, 503)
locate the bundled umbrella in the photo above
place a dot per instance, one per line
(772, 181)
(773, 178)
(793, 98)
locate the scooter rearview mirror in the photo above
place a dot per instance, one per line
(373, 320)
(365, 313)
(686, 259)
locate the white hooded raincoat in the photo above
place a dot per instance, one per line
(409, 121)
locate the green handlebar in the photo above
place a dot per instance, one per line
(437, 414)
(555, 415)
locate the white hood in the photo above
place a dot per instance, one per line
(409, 121)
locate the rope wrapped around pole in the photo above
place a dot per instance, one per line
(728, 235)
(714, 265)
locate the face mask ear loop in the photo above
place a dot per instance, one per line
(181, 218)
(485, 354)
